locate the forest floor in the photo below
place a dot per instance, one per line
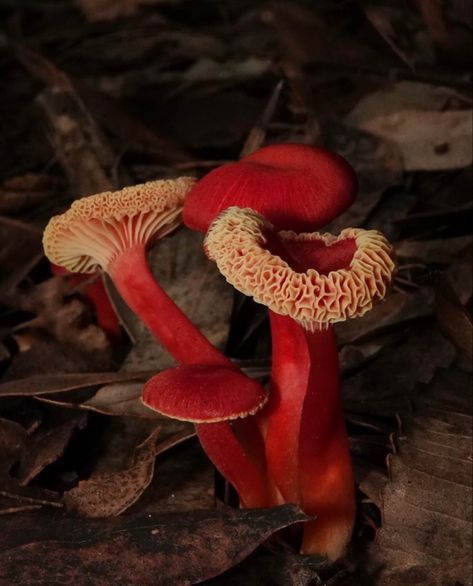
(95, 488)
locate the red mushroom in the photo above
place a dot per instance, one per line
(308, 281)
(294, 186)
(211, 396)
(111, 231)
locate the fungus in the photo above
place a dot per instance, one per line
(308, 281)
(211, 396)
(293, 186)
(111, 231)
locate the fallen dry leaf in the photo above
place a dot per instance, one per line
(403, 95)
(109, 494)
(47, 443)
(454, 320)
(44, 384)
(12, 439)
(399, 308)
(427, 140)
(385, 386)
(427, 515)
(164, 549)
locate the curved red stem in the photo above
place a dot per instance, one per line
(244, 468)
(138, 287)
(225, 451)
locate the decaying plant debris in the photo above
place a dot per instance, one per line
(95, 488)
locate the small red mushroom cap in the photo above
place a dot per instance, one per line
(203, 393)
(294, 186)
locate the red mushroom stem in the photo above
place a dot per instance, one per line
(306, 440)
(135, 283)
(326, 480)
(185, 342)
(234, 463)
(282, 415)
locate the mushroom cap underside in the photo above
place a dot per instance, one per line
(317, 279)
(97, 228)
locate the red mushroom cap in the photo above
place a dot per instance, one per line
(294, 186)
(203, 393)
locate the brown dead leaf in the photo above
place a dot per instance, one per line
(398, 309)
(164, 549)
(68, 320)
(403, 95)
(385, 386)
(427, 505)
(121, 399)
(427, 140)
(454, 320)
(44, 384)
(432, 252)
(12, 439)
(110, 494)
(271, 566)
(47, 444)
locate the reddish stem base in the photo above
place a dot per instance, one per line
(306, 441)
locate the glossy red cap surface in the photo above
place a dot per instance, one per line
(294, 186)
(203, 393)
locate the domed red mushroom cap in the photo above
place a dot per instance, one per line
(203, 393)
(294, 186)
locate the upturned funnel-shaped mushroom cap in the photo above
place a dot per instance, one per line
(294, 186)
(203, 394)
(316, 279)
(96, 229)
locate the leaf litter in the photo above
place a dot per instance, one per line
(97, 95)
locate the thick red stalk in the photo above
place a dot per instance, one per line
(281, 418)
(136, 284)
(306, 441)
(224, 450)
(325, 469)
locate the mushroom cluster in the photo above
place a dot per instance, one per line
(259, 215)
